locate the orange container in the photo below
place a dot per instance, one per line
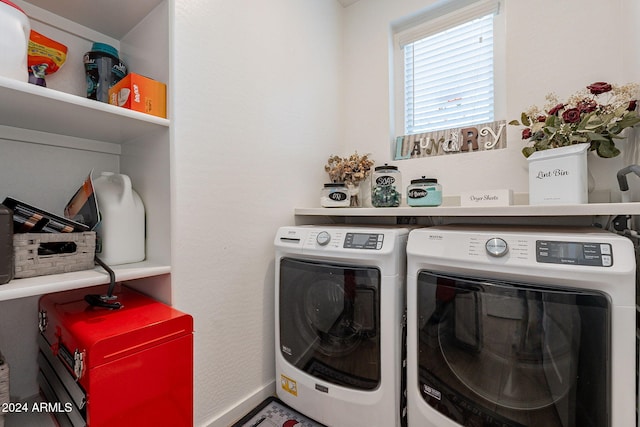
(140, 93)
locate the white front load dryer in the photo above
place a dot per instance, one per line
(520, 327)
(339, 305)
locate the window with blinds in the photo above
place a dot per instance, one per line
(449, 70)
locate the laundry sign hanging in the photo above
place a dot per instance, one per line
(481, 137)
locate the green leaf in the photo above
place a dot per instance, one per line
(538, 136)
(583, 122)
(542, 145)
(595, 122)
(525, 120)
(577, 139)
(597, 137)
(628, 120)
(607, 149)
(514, 123)
(552, 121)
(527, 151)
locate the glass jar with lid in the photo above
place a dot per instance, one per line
(424, 192)
(386, 187)
(335, 195)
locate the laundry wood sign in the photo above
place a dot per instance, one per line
(482, 137)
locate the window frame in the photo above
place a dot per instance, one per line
(438, 18)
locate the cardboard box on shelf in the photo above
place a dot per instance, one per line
(140, 93)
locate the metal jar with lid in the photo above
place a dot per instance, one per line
(335, 195)
(424, 192)
(386, 187)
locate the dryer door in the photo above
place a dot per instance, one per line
(513, 354)
(329, 321)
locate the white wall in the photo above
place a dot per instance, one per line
(552, 46)
(257, 111)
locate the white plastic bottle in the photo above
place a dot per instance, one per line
(15, 29)
(121, 232)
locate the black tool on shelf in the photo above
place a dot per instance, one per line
(109, 300)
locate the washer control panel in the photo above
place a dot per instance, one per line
(578, 253)
(337, 239)
(363, 241)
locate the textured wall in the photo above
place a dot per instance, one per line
(257, 111)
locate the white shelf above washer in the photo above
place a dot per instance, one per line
(590, 209)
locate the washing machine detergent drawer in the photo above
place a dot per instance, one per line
(101, 367)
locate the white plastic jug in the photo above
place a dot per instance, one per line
(121, 232)
(14, 41)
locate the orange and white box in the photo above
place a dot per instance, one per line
(140, 93)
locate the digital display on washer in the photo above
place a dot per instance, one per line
(363, 241)
(578, 253)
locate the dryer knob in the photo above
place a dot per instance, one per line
(496, 247)
(323, 238)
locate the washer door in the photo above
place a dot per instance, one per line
(329, 321)
(513, 354)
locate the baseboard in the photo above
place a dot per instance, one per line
(243, 407)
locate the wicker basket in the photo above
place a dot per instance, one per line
(39, 254)
(4, 385)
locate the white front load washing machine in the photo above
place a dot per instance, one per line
(339, 305)
(520, 327)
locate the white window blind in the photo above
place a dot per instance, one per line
(448, 70)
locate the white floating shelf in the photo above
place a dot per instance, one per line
(20, 288)
(589, 209)
(43, 109)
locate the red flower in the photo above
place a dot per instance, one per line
(526, 133)
(555, 109)
(572, 115)
(587, 105)
(599, 87)
(541, 119)
(632, 105)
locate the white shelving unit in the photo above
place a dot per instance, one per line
(64, 121)
(40, 116)
(51, 138)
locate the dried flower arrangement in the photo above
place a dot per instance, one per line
(351, 170)
(584, 118)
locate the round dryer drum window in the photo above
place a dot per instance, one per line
(329, 321)
(507, 354)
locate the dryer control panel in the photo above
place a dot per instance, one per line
(363, 241)
(578, 253)
(349, 240)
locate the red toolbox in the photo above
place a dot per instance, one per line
(127, 367)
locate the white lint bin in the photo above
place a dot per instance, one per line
(559, 176)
